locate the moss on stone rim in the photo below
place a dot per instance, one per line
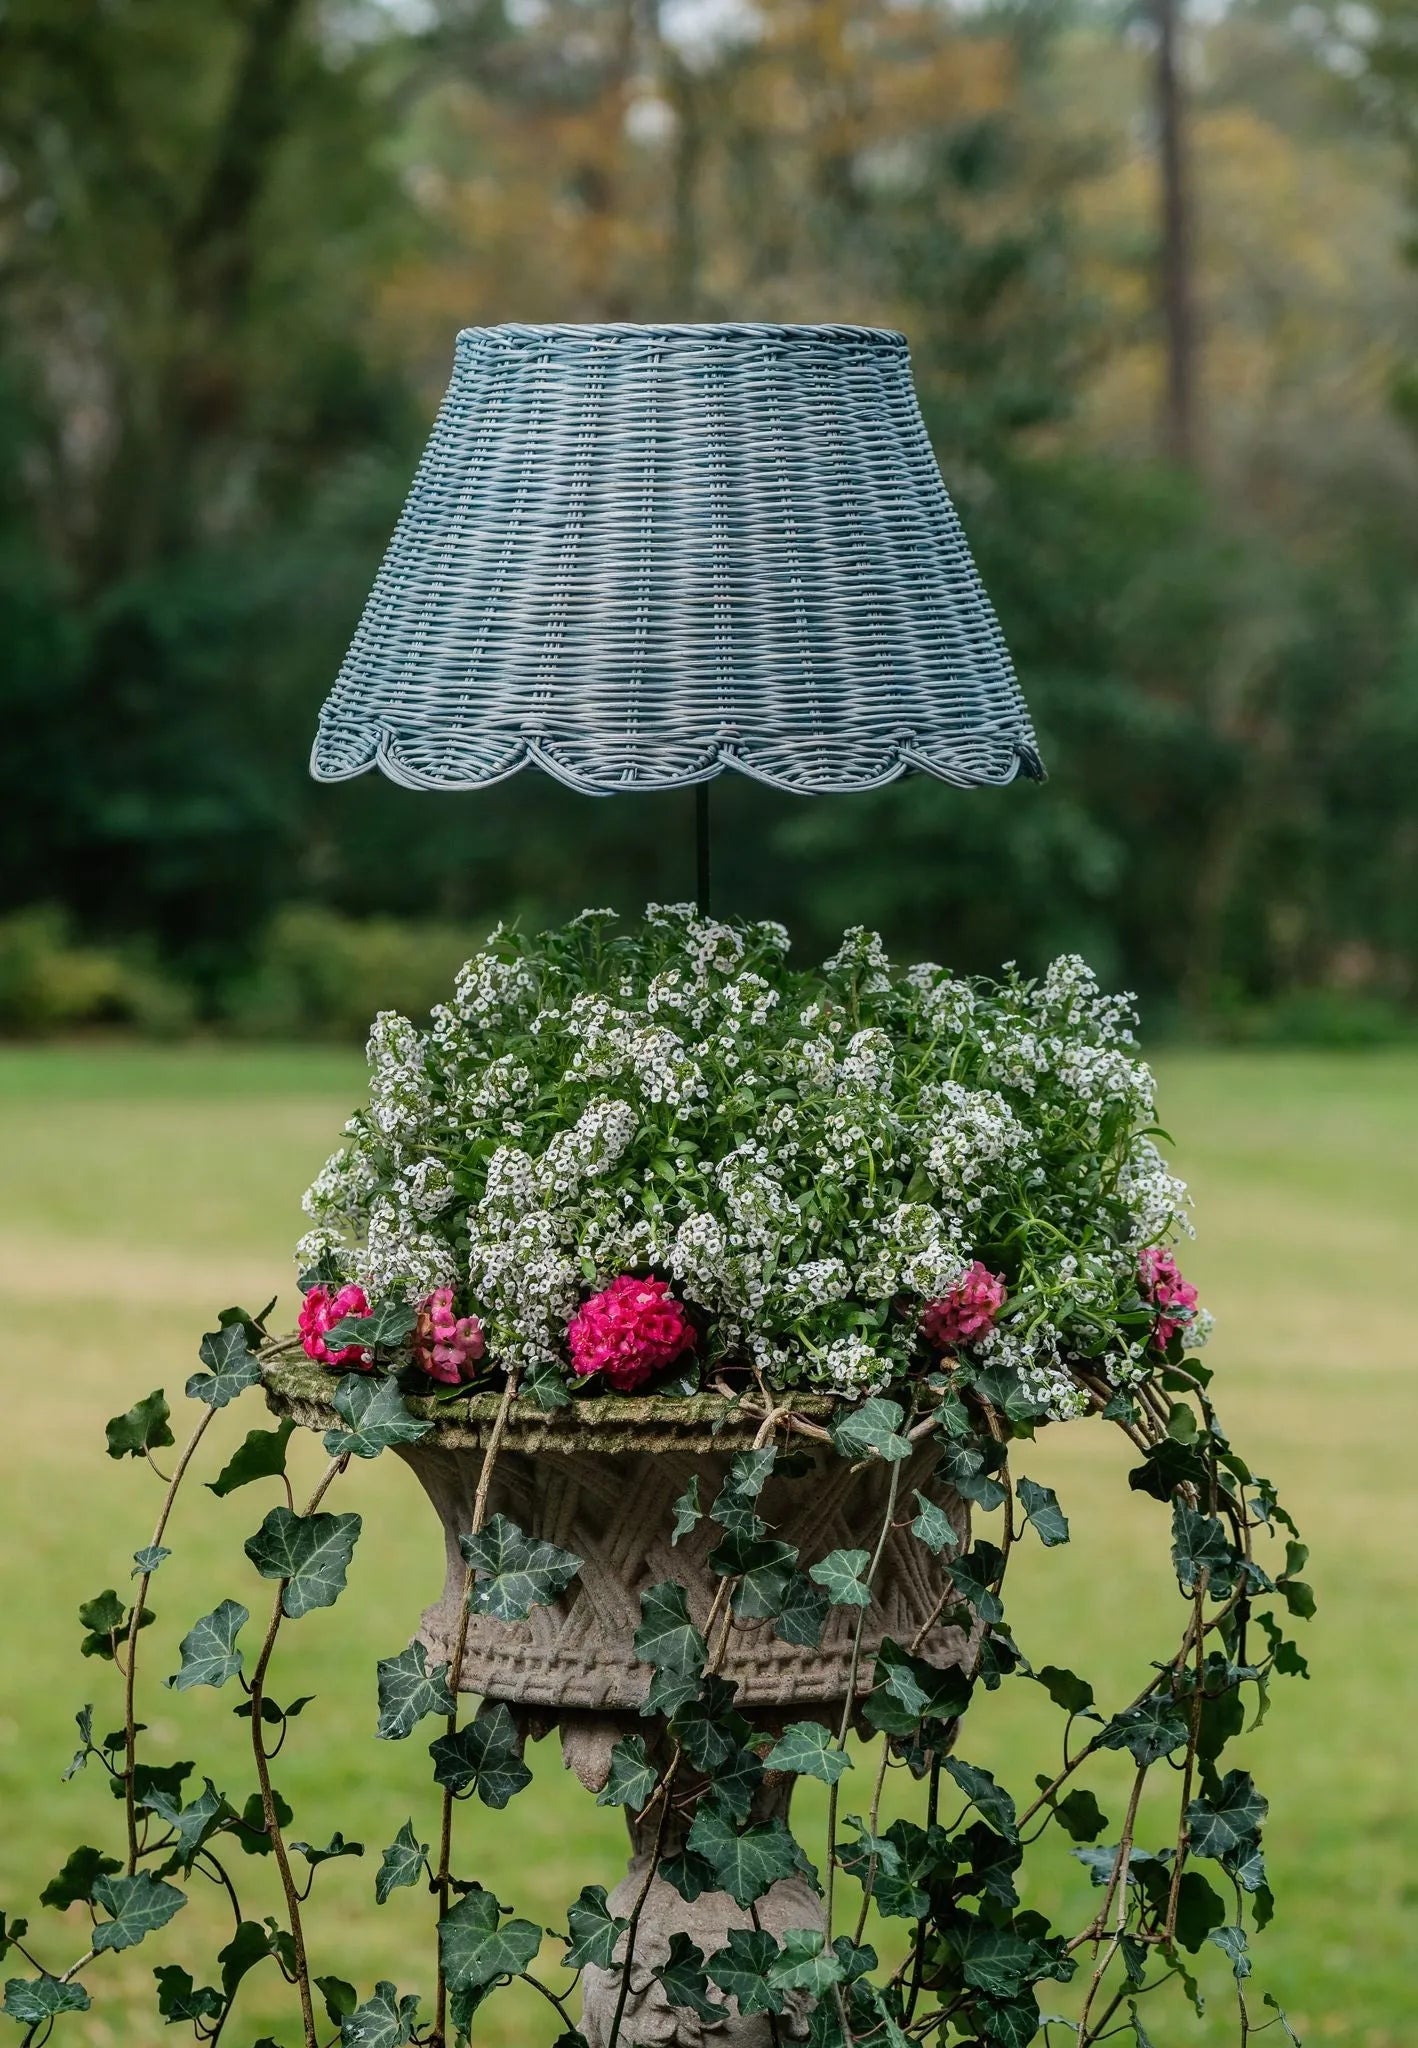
(302, 1389)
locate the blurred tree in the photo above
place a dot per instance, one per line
(235, 242)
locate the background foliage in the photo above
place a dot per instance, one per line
(236, 241)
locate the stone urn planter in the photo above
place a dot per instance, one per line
(599, 1478)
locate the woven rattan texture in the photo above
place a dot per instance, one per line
(635, 556)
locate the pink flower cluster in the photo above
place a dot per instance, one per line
(319, 1312)
(445, 1344)
(967, 1312)
(629, 1331)
(1163, 1285)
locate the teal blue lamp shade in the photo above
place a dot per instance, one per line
(635, 556)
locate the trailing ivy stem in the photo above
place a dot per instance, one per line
(1117, 1889)
(442, 1878)
(1189, 1766)
(263, 1776)
(130, 1731)
(850, 1702)
(633, 1926)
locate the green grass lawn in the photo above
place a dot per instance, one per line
(145, 1187)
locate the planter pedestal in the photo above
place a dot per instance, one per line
(599, 1479)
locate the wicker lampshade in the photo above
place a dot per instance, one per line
(635, 556)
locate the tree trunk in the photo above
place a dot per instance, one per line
(1175, 281)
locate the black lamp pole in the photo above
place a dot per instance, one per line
(701, 847)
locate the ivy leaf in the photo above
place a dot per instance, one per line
(104, 1618)
(384, 1328)
(682, 1979)
(633, 1777)
(377, 1415)
(179, 1998)
(996, 1960)
(515, 1572)
(967, 1467)
(1011, 2023)
(989, 1799)
(208, 1650)
(251, 1832)
(143, 1429)
(84, 1722)
(840, 1572)
(666, 1637)
(485, 1756)
(735, 1509)
(475, 1948)
(973, 1576)
(1065, 1688)
(250, 1945)
(875, 1426)
(1080, 1816)
(34, 2000)
(76, 1880)
(1228, 1820)
(147, 1560)
(1041, 1505)
(261, 1455)
(139, 1905)
(708, 1728)
(232, 1366)
(746, 1864)
(403, 1863)
(689, 1875)
(310, 1552)
(593, 1930)
(669, 1691)
(879, 1866)
(191, 1824)
(1200, 1543)
(1286, 1655)
(1232, 1943)
(409, 1691)
(687, 1511)
(735, 1783)
(340, 1998)
(806, 1748)
(748, 1474)
(544, 1386)
(1299, 1598)
(741, 1970)
(384, 2021)
(1199, 1909)
(336, 1847)
(803, 1614)
(764, 1570)
(907, 1690)
(1149, 1731)
(151, 1779)
(805, 1962)
(933, 1527)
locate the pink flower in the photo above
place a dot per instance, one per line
(629, 1331)
(319, 1312)
(966, 1312)
(1163, 1285)
(445, 1344)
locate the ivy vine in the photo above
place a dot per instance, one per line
(976, 1966)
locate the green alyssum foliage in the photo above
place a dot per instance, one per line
(1167, 1887)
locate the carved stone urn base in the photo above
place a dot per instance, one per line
(649, 2017)
(599, 1478)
